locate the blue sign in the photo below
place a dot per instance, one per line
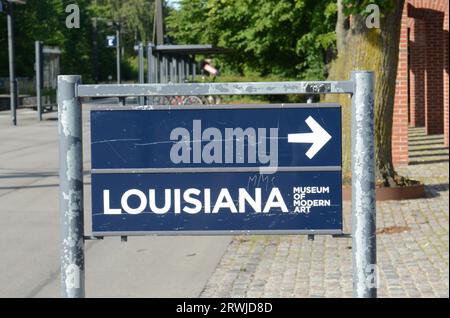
(265, 137)
(236, 169)
(111, 41)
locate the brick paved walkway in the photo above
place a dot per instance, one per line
(412, 246)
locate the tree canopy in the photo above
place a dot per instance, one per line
(44, 20)
(291, 38)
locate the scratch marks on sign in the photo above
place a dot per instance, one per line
(116, 152)
(114, 140)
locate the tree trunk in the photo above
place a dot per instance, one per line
(361, 48)
(341, 27)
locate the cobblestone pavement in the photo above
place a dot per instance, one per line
(412, 246)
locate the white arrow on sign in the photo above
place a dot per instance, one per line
(318, 138)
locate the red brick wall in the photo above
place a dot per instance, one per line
(446, 76)
(428, 74)
(417, 61)
(434, 105)
(400, 118)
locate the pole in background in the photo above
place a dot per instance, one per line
(187, 65)
(38, 71)
(174, 70)
(170, 69)
(95, 48)
(151, 69)
(180, 69)
(12, 71)
(71, 187)
(160, 68)
(194, 69)
(151, 65)
(363, 187)
(159, 17)
(141, 70)
(117, 25)
(164, 69)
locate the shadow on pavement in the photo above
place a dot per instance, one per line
(433, 190)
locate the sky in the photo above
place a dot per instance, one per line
(172, 3)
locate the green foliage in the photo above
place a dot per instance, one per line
(44, 20)
(283, 38)
(290, 38)
(135, 16)
(188, 24)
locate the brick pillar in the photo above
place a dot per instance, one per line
(417, 47)
(400, 117)
(434, 105)
(446, 76)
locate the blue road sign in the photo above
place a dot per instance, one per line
(263, 137)
(111, 41)
(227, 169)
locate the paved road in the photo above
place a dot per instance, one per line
(412, 246)
(29, 229)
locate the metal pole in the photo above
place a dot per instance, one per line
(177, 70)
(194, 69)
(169, 69)
(12, 71)
(176, 76)
(150, 64)
(70, 187)
(172, 67)
(181, 69)
(38, 66)
(159, 22)
(363, 187)
(95, 48)
(151, 69)
(118, 53)
(188, 67)
(164, 69)
(161, 68)
(141, 70)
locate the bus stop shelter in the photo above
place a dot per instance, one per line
(176, 63)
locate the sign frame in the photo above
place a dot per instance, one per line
(236, 169)
(361, 89)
